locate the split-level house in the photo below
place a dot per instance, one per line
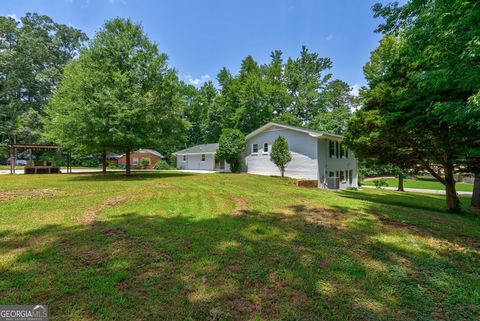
(315, 156)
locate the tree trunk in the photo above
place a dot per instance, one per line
(104, 161)
(127, 164)
(282, 172)
(475, 203)
(400, 183)
(453, 203)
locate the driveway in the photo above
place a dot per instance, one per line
(421, 190)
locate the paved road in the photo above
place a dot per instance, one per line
(421, 190)
(98, 170)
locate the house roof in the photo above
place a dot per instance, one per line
(311, 132)
(199, 149)
(113, 155)
(149, 151)
(146, 151)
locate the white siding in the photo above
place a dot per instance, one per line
(194, 162)
(328, 164)
(304, 164)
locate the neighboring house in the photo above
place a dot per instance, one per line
(201, 157)
(136, 157)
(112, 158)
(315, 155)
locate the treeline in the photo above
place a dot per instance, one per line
(44, 63)
(296, 91)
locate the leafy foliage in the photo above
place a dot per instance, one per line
(232, 144)
(280, 154)
(118, 95)
(422, 80)
(33, 53)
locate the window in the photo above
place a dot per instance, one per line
(184, 158)
(331, 174)
(265, 148)
(255, 149)
(135, 161)
(203, 157)
(331, 148)
(338, 174)
(337, 149)
(350, 176)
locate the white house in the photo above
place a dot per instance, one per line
(201, 157)
(315, 156)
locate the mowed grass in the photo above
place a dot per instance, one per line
(427, 183)
(177, 246)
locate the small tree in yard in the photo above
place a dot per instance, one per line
(145, 161)
(231, 145)
(280, 154)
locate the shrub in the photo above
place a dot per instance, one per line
(144, 162)
(162, 165)
(379, 183)
(280, 154)
(352, 188)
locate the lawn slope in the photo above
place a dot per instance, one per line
(178, 246)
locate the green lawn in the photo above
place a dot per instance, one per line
(178, 246)
(425, 183)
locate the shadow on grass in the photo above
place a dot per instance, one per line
(310, 264)
(116, 176)
(403, 199)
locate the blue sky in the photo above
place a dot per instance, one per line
(202, 36)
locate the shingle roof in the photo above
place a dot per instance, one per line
(151, 151)
(199, 149)
(311, 132)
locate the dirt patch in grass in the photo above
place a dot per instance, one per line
(6, 196)
(242, 208)
(44, 193)
(90, 215)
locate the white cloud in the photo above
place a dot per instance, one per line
(329, 37)
(197, 82)
(13, 16)
(355, 89)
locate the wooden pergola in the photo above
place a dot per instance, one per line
(15, 146)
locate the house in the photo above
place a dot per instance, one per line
(315, 156)
(136, 157)
(112, 158)
(201, 157)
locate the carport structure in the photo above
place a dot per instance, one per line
(30, 147)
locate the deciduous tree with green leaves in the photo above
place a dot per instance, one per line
(280, 154)
(232, 144)
(420, 81)
(33, 53)
(118, 95)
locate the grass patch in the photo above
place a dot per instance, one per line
(180, 246)
(422, 184)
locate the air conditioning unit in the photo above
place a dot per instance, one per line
(333, 182)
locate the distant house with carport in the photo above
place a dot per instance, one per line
(136, 157)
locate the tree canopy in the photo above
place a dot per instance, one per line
(421, 79)
(232, 143)
(33, 53)
(118, 95)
